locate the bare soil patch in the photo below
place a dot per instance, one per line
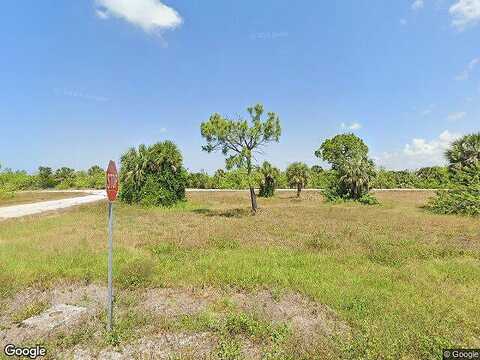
(160, 335)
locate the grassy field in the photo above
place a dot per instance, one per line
(403, 281)
(28, 197)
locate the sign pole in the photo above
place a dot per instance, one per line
(112, 190)
(110, 266)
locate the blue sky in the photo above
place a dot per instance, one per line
(81, 81)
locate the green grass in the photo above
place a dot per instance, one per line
(406, 281)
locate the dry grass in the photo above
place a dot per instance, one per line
(28, 197)
(406, 281)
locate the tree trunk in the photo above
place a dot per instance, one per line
(253, 197)
(299, 189)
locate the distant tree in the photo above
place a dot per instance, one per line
(153, 175)
(199, 180)
(348, 155)
(239, 140)
(316, 169)
(269, 175)
(64, 174)
(45, 177)
(95, 170)
(432, 177)
(297, 176)
(405, 179)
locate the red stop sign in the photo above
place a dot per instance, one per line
(112, 181)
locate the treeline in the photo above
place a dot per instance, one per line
(436, 177)
(48, 178)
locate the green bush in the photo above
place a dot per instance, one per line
(63, 178)
(153, 175)
(435, 177)
(320, 179)
(463, 200)
(16, 180)
(368, 199)
(233, 179)
(6, 194)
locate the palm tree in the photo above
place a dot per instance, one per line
(297, 176)
(464, 152)
(269, 178)
(356, 175)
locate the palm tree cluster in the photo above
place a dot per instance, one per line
(153, 175)
(464, 166)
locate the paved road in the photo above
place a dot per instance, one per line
(15, 211)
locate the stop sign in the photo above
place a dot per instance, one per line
(112, 181)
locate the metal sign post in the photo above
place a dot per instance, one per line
(110, 267)
(112, 190)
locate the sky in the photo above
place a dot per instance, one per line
(82, 81)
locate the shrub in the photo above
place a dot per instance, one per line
(6, 193)
(462, 200)
(12, 181)
(368, 199)
(153, 175)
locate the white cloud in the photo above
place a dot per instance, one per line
(79, 95)
(419, 153)
(352, 126)
(101, 14)
(465, 74)
(417, 4)
(429, 110)
(150, 15)
(457, 116)
(465, 13)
